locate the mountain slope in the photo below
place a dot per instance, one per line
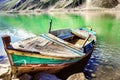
(17, 5)
(37, 4)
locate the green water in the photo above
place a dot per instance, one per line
(37, 24)
(106, 25)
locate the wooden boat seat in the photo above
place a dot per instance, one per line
(66, 36)
(80, 42)
(80, 33)
(63, 33)
(83, 34)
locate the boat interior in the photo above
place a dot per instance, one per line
(71, 37)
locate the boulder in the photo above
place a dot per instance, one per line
(45, 76)
(25, 77)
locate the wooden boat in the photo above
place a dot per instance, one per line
(77, 39)
(41, 54)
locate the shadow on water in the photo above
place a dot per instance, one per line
(107, 27)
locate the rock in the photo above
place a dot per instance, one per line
(25, 77)
(93, 75)
(45, 76)
(77, 76)
(4, 69)
(105, 3)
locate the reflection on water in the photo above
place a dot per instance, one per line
(106, 25)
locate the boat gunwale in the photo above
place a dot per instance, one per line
(37, 54)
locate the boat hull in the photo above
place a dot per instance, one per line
(75, 68)
(19, 70)
(61, 70)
